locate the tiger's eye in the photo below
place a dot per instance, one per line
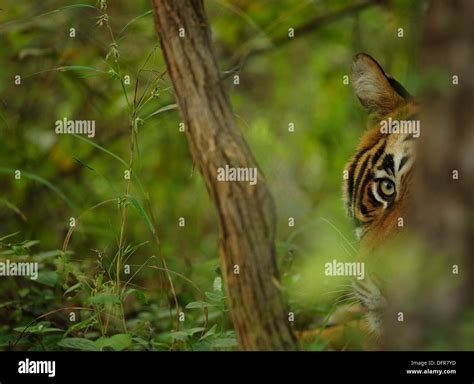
(386, 188)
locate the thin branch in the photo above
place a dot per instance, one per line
(302, 30)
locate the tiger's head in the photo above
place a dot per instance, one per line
(377, 178)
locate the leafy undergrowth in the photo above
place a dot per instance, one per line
(79, 306)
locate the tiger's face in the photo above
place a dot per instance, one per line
(377, 178)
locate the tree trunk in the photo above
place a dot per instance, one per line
(246, 212)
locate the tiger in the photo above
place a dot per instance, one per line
(376, 186)
(376, 190)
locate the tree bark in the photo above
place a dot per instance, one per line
(246, 212)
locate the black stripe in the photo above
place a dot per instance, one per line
(388, 164)
(379, 153)
(373, 200)
(350, 181)
(363, 209)
(403, 162)
(367, 180)
(359, 177)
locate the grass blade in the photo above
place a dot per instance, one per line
(141, 211)
(163, 109)
(101, 148)
(133, 20)
(43, 181)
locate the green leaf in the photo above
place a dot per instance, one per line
(66, 8)
(50, 342)
(50, 254)
(38, 328)
(104, 298)
(81, 325)
(128, 292)
(142, 297)
(48, 278)
(179, 336)
(7, 340)
(141, 211)
(192, 331)
(29, 243)
(72, 288)
(72, 6)
(214, 296)
(117, 342)
(9, 235)
(211, 332)
(163, 109)
(139, 340)
(199, 304)
(210, 317)
(18, 250)
(224, 343)
(9, 303)
(68, 68)
(79, 343)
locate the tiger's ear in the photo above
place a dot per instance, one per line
(377, 91)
